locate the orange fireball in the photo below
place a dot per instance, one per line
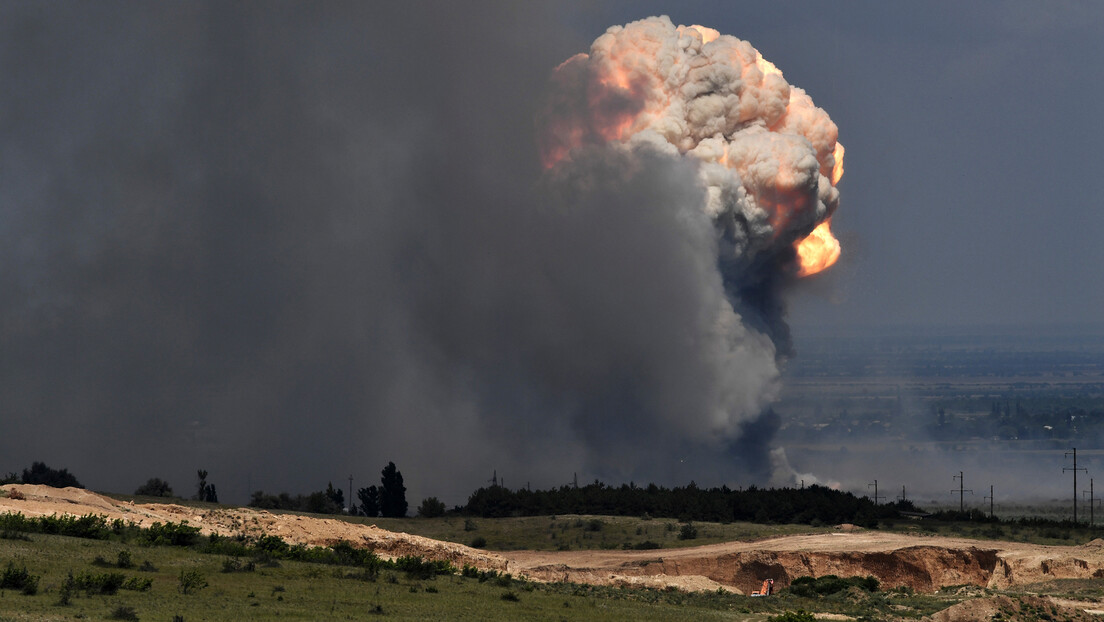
(818, 251)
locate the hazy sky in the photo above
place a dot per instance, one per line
(293, 244)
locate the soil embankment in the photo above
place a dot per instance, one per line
(293, 528)
(924, 564)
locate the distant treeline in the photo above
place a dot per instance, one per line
(810, 505)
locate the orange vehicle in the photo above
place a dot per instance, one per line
(766, 590)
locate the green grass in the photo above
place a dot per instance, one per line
(309, 591)
(575, 532)
(1056, 534)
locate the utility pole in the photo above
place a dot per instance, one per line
(1073, 451)
(350, 493)
(876, 497)
(990, 498)
(903, 496)
(961, 490)
(1092, 503)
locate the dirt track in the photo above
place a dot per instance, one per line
(924, 563)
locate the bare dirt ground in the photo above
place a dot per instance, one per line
(924, 563)
(294, 529)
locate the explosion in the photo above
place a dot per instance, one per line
(768, 158)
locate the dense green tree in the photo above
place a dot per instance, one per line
(155, 487)
(392, 497)
(431, 507)
(39, 473)
(369, 501)
(336, 496)
(320, 503)
(205, 491)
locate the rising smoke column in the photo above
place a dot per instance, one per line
(767, 161)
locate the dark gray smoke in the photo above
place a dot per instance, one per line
(293, 244)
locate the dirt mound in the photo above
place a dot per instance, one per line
(294, 529)
(924, 564)
(1019, 608)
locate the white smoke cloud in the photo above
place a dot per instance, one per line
(766, 152)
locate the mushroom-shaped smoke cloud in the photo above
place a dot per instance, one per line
(765, 160)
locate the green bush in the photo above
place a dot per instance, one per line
(19, 579)
(810, 587)
(191, 581)
(688, 531)
(155, 487)
(171, 534)
(793, 616)
(104, 584)
(417, 568)
(431, 507)
(122, 612)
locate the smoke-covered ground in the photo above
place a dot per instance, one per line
(913, 409)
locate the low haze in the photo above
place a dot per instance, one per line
(288, 246)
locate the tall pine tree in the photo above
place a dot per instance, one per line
(392, 497)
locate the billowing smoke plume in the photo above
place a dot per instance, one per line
(289, 246)
(766, 161)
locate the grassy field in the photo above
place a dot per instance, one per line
(226, 588)
(574, 532)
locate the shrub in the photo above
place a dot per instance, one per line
(646, 545)
(810, 587)
(688, 531)
(19, 579)
(105, 584)
(155, 487)
(173, 534)
(793, 616)
(135, 584)
(431, 507)
(417, 568)
(122, 612)
(191, 581)
(236, 565)
(478, 542)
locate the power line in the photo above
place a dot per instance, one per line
(1073, 450)
(1092, 502)
(876, 496)
(961, 491)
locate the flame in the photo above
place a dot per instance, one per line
(837, 168)
(818, 251)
